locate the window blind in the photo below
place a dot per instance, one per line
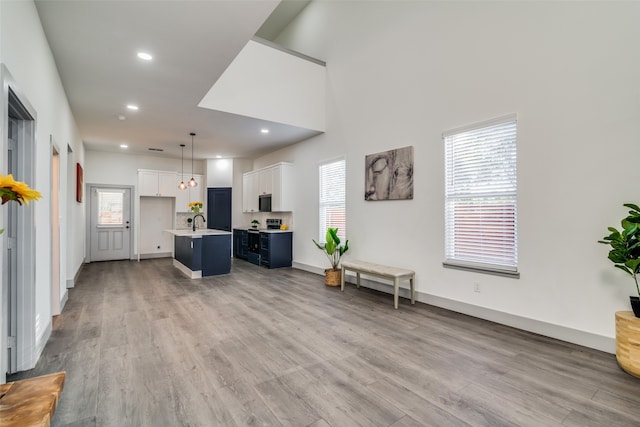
(480, 196)
(332, 199)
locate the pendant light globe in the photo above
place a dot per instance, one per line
(192, 181)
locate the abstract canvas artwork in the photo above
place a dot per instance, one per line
(389, 175)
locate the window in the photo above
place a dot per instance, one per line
(110, 207)
(332, 199)
(480, 197)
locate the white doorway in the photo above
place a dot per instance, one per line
(18, 332)
(110, 223)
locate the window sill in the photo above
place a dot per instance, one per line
(482, 269)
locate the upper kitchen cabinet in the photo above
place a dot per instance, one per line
(190, 194)
(276, 180)
(282, 187)
(265, 181)
(250, 188)
(157, 183)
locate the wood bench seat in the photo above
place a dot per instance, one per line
(392, 273)
(30, 402)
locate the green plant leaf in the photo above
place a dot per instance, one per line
(333, 233)
(630, 229)
(318, 245)
(632, 206)
(624, 268)
(633, 264)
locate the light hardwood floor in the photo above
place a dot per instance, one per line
(144, 346)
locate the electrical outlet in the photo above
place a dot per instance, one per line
(476, 287)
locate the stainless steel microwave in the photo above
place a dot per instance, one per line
(264, 203)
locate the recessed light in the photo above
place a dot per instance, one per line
(124, 146)
(264, 130)
(145, 56)
(218, 156)
(132, 107)
(121, 117)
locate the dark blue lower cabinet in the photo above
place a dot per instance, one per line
(276, 249)
(240, 243)
(188, 251)
(216, 254)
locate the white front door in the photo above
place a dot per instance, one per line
(110, 223)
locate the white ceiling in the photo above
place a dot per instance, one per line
(94, 44)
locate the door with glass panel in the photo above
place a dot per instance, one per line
(110, 223)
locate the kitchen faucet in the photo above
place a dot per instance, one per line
(194, 220)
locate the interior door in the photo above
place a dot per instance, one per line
(110, 223)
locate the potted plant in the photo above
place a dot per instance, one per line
(255, 223)
(334, 251)
(625, 249)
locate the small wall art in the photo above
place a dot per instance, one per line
(79, 182)
(389, 175)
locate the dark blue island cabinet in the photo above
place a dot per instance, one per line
(201, 255)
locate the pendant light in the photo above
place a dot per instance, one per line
(182, 185)
(192, 181)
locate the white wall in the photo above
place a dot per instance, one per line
(219, 173)
(266, 83)
(25, 53)
(122, 169)
(401, 73)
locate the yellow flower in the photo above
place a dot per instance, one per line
(195, 207)
(12, 190)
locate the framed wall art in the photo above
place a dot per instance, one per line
(389, 175)
(79, 182)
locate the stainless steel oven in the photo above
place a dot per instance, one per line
(253, 240)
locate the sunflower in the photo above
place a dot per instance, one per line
(17, 191)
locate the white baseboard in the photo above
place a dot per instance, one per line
(41, 342)
(191, 274)
(586, 339)
(64, 300)
(156, 255)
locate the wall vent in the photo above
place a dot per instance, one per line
(156, 149)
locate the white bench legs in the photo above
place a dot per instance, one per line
(384, 271)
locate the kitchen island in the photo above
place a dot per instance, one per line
(202, 253)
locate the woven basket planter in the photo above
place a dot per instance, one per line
(332, 277)
(628, 342)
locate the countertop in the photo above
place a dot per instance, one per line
(264, 230)
(198, 233)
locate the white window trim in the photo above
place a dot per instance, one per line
(493, 269)
(342, 158)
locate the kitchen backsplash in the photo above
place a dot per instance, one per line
(181, 220)
(287, 219)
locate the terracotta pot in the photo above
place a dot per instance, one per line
(332, 277)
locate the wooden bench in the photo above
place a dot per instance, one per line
(392, 273)
(30, 402)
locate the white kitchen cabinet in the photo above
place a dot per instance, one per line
(282, 188)
(250, 188)
(157, 183)
(265, 181)
(190, 194)
(276, 180)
